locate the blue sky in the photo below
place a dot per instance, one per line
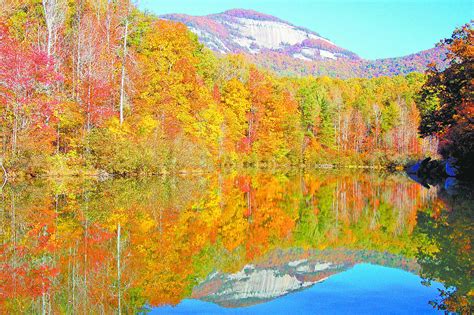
(371, 28)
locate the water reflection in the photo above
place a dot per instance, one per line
(95, 247)
(363, 289)
(447, 228)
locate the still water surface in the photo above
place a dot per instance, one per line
(326, 242)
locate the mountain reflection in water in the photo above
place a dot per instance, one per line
(241, 241)
(363, 289)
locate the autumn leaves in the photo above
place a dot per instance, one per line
(126, 93)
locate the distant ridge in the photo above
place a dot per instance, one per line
(292, 50)
(251, 14)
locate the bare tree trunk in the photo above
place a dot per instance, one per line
(86, 235)
(118, 270)
(48, 7)
(15, 129)
(54, 14)
(5, 174)
(43, 302)
(89, 97)
(74, 278)
(13, 241)
(78, 57)
(377, 113)
(79, 42)
(58, 137)
(124, 58)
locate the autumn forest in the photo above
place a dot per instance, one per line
(100, 85)
(141, 171)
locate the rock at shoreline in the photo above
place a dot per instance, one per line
(429, 172)
(451, 168)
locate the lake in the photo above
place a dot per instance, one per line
(325, 242)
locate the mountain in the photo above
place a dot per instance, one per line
(285, 271)
(256, 284)
(247, 31)
(292, 50)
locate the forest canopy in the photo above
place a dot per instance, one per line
(100, 85)
(447, 99)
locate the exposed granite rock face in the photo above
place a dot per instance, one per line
(253, 32)
(257, 284)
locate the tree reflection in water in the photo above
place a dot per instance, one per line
(62, 247)
(447, 229)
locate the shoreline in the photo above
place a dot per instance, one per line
(102, 175)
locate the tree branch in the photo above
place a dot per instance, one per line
(5, 175)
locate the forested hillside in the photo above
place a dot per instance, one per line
(346, 69)
(99, 85)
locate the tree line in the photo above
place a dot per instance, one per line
(100, 85)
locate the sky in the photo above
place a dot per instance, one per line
(370, 28)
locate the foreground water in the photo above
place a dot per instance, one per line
(325, 242)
